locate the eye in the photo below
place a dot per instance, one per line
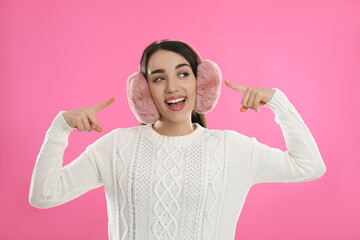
(186, 74)
(155, 80)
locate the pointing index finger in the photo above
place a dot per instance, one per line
(103, 105)
(238, 88)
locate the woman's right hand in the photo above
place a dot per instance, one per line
(84, 118)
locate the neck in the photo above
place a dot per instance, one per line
(169, 128)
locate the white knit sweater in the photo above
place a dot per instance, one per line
(178, 187)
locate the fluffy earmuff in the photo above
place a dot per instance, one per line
(208, 84)
(140, 100)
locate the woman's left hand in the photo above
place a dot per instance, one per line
(253, 96)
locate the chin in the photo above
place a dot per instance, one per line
(177, 116)
(178, 119)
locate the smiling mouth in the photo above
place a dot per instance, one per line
(176, 104)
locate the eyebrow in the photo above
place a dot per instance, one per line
(162, 70)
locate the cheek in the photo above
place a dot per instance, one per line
(154, 92)
(192, 93)
(194, 89)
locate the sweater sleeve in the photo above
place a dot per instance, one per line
(300, 162)
(53, 185)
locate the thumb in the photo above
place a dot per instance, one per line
(243, 109)
(98, 129)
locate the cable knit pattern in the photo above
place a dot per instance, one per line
(174, 187)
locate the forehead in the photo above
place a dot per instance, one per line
(165, 59)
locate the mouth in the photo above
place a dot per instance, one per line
(177, 105)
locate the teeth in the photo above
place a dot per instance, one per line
(176, 100)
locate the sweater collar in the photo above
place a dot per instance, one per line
(159, 139)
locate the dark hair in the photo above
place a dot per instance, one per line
(183, 50)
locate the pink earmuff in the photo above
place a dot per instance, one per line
(208, 84)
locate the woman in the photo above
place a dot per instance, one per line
(171, 177)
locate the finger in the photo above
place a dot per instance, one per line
(80, 125)
(245, 98)
(250, 102)
(93, 121)
(86, 123)
(257, 102)
(238, 88)
(102, 105)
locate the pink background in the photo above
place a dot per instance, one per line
(63, 55)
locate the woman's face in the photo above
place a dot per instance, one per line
(170, 75)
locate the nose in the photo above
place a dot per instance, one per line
(171, 85)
